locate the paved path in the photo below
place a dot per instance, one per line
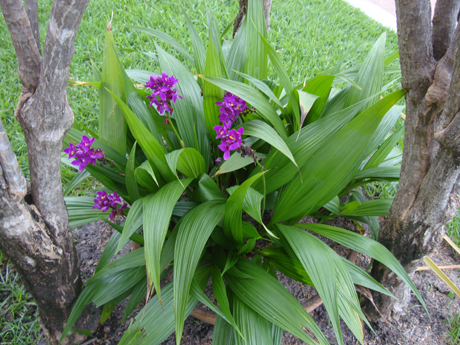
(382, 11)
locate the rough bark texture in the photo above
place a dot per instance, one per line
(444, 22)
(34, 229)
(428, 194)
(243, 8)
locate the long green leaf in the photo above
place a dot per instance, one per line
(368, 247)
(377, 207)
(152, 149)
(195, 229)
(321, 268)
(257, 62)
(155, 322)
(130, 177)
(330, 168)
(199, 52)
(76, 180)
(370, 75)
(157, 214)
(234, 209)
(285, 81)
(218, 287)
(188, 161)
(384, 150)
(269, 298)
(212, 93)
(112, 124)
(133, 223)
(255, 329)
(263, 131)
(223, 333)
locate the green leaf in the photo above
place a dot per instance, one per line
(195, 229)
(212, 93)
(152, 149)
(285, 81)
(302, 147)
(220, 292)
(142, 178)
(234, 209)
(321, 268)
(306, 101)
(330, 168)
(112, 124)
(101, 290)
(236, 162)
(257, 62)
(321, 87)
(109, 250)
(269, 298)
(262, 87)
(207, 190)
(155, 322)
(133, 223)
(278, 257)
(157, 214)
(138, 294)
(165, 38)
(253, 97)
(255, 329)
(236, 58)
(370, 75)
(386, 125)
(368, 247)
(76, 180)
(361, 277)
(222, 333)
(377, 207)
(188, 161)
(263, 131)
(380, 173)
(110, 178)
(199, 52)
(130, 178)
(384, 150)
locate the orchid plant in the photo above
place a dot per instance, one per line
(214, 170)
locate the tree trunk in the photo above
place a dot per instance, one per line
(428, 194)
(243, 8)
(34, 227)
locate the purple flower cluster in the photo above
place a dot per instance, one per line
(230, 109)
(106, 201)
(162, 86)
(83, 153)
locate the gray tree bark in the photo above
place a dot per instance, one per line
(34, 226)
(243, 9)
(428, 194)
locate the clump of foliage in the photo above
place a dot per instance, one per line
(221, 142)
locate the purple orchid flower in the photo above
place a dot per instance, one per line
(162, 86)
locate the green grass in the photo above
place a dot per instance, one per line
(18, 312)
(453, 329)
(453, 229)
